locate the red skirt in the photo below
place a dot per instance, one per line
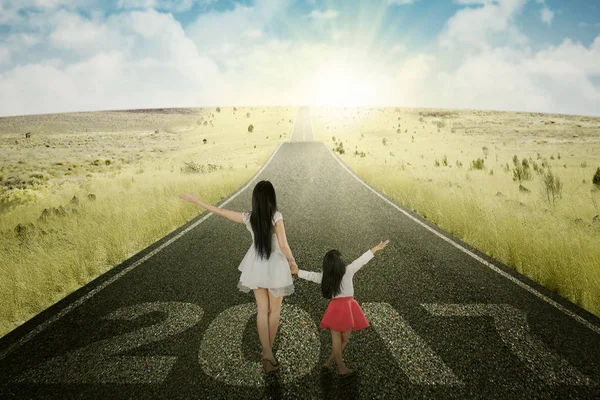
(343, 314)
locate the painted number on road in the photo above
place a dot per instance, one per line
(100, 362)
(413, 355)
(511, 324)
(221, 355)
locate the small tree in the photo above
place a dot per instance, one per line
(477, 164)
(552, 188)
(250, 128)
(340, 148)
(596, 178)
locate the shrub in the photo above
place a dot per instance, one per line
(552, 188)
(436, 163)
(384, 141)
(584, 165)
(333, 138)
(250, 128)
(445, 161)
(596, 178)
(340, 148)
(247, 115)
(485, 150)
(459, 164)
(218, 109)
(522, 173)
(14, 197)
(477, 164)
(192, 167)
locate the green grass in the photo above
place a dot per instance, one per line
(135, 192)
(548, 234)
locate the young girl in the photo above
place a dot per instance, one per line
(266, 266)
(343, 314)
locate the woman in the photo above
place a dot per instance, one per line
(266, 266)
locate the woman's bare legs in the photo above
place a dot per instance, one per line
(274, 314)
(345, 339)
(262, 323)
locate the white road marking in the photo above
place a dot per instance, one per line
(412, 354)
(221, 354)
(512, 327)
(103, 361)
(104, 284)
(475, 256)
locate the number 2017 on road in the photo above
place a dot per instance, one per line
(299, 347)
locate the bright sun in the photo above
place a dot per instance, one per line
(342, 85)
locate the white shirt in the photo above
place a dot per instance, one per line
(346, 288)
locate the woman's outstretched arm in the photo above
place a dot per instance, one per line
(235, 216)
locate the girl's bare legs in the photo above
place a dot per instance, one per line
(262, 323)
(345, 339)
(336, 349)
(274, 314)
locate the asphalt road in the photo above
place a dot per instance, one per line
(170, 323)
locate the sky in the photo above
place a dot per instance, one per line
(511, 55)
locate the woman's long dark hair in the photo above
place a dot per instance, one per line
(333, 272)
(264, 206)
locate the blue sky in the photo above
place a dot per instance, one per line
(519, 55)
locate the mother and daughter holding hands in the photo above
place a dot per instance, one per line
(267, 269)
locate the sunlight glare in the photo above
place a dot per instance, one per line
(340, 85)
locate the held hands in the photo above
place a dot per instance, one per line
(380, 246)
(293, 268)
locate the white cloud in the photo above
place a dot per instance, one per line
(323, 15)
(167, 5)
(151, 64)
(483, 27)
(398, 48)
(546, 15)
(78, 33)
(4, 55)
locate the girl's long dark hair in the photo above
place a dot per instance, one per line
(333, 272)
(264, 206)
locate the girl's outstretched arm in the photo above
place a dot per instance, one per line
(235, 216)
(365, 258)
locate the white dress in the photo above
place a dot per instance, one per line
(273, 273)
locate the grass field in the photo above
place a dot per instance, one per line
(88, 190)
(517, 186)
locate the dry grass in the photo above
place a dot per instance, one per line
(451, 167)
(134, 174)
